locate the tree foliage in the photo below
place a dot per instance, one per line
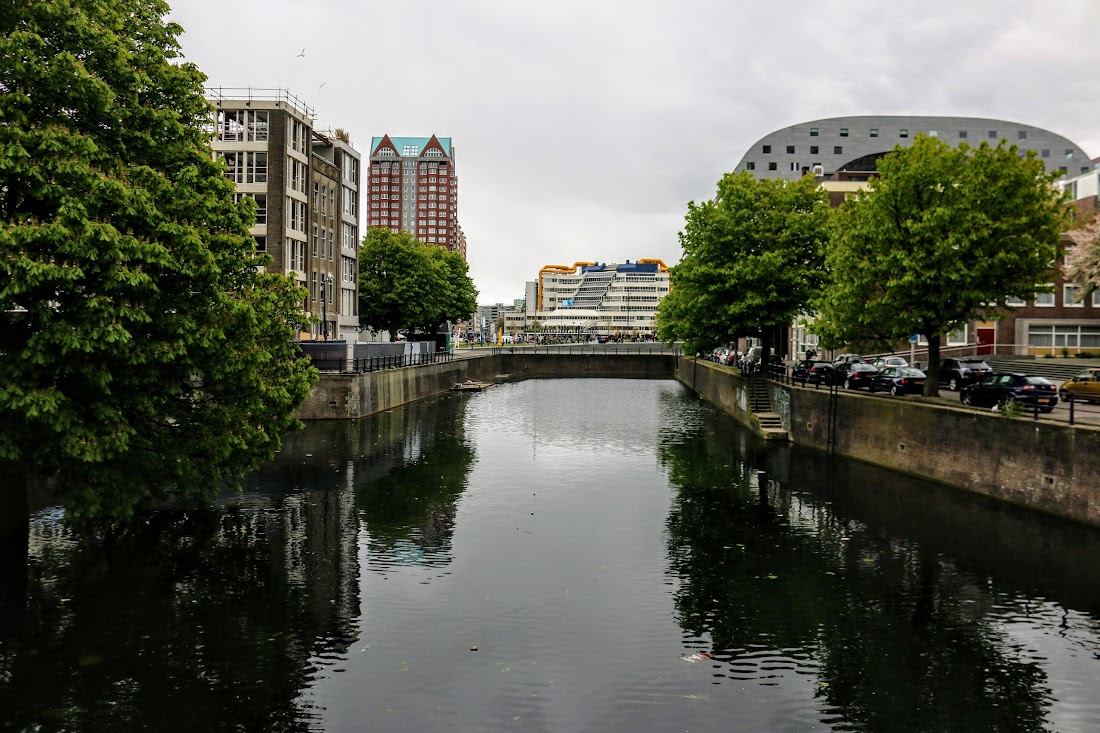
(753, 257)
(143, 357)
(405, 284)
(943, 236)
(1085, 271)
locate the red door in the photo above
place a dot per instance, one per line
(987, 338)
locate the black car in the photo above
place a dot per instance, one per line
(898, 380)
(855, 375)
(1023, 389)
(814, 372)
(958, 373)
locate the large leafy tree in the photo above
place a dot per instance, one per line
(753, 257)
(455, 295)
(406, 284)
(943, 236)
(143, 357)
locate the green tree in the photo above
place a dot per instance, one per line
(394, 282)
(943, 236)
(454, 296)
(406, 284)
(143, 357)
(753, 256)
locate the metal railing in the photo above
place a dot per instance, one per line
(592, 349)
(378, 363)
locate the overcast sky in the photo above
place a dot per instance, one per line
(582, 128)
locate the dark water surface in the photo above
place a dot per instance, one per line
(558, 555)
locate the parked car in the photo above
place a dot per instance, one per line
(750, 360)
(889, 361)
(847, 359)
(958, 373)
(898, 380)
(814, 372)
(855, 375)
(1025, 389)
(1085, 386)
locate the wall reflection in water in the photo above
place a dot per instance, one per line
(913, 607)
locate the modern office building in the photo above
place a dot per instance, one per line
(306, 188)
(414, 188)
(847, 148)
(608, 298)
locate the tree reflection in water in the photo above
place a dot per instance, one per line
(780, 574)
(190, 620)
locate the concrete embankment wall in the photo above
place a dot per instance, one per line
(1048, 466)
(351, 396)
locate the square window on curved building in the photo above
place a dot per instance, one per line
(813, 150)
(773, 166)
(790, 150)
(813, 132)
(838, 150)
(767, 149)
(750, 166)
(962, 134)
(903, 133)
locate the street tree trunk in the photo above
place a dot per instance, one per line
(932, 373)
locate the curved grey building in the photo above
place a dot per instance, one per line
(852, 145)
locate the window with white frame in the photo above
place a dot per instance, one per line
(1015, 302)
(349, 236)
(1045, 300)
(1096, 298)
(1071, 296)
(351, 206)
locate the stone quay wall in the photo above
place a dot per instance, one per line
(1047, 466)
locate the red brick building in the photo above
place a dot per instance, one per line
(413, 187)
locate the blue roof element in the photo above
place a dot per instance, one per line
(418, 142)
(626, 267)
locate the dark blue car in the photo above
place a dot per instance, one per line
(898, 381)
(1023, 389)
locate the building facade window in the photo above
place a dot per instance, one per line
(1070, 297)
(790, 150)
(903, 133)
(844, 132)
(962, 134)
(767, 149)
(813, 132)
(874, 132)
(837, 150)
(1044, 300)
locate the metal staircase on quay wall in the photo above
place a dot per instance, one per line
(760, 404)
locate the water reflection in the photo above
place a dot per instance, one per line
(791, 565)
(222, 618)
(588, 555)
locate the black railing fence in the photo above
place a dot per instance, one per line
(378, 363)
(595, 349)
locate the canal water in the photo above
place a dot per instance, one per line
(558, 555)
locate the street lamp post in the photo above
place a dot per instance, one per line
(326, 285)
